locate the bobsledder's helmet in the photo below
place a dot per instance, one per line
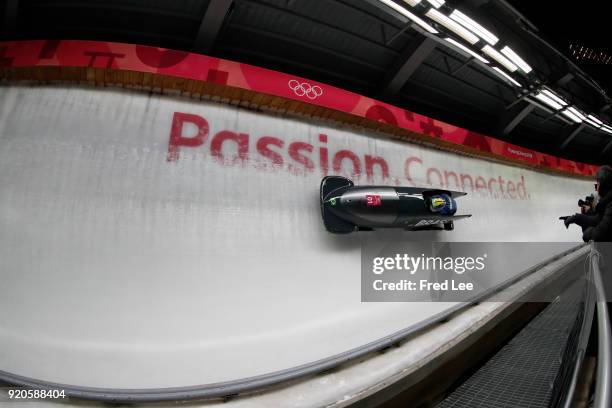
(442, 204)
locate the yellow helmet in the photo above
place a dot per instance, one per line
(437, 202)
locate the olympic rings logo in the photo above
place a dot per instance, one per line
(305, 89)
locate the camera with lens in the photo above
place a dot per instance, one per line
(588, 201)
(587, 206)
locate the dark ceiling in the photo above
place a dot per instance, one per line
(359, 45)
(578, 27)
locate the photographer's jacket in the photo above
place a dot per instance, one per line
(602, 231)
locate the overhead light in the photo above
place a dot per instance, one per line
(508, 77)
(606, 129)
(571, 113)
(412, 2)
(466, 49)
(592, 122)
(493, 53)
(408, 14)
(436, 3)
(474, 27)
(554, 97)
(513, 56)
(596, 120)
(576, 112)
(455, 27)
(548, 101)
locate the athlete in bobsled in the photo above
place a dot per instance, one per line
(346, 208)
(443, 204)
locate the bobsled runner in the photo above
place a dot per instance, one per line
(346, 208)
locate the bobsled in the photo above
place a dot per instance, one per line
(347, 208)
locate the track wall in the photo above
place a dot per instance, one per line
(148, 241)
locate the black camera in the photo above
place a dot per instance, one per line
(588, 201)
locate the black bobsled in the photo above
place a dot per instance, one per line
(346, 208)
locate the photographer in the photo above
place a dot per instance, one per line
(598, 227)
(587, 217)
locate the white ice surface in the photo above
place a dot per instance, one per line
(120, 269)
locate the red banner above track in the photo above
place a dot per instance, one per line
(203, 68)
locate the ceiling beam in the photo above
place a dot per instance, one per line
(606, 148)
(304, 44)
(565, 79)
(573, 132)
(406, 64)
(211, 24)
(311, 20)
(516, 116)
(556, 114)
(9, 19)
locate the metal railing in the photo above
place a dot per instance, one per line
(579, 353)
(603, 385)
